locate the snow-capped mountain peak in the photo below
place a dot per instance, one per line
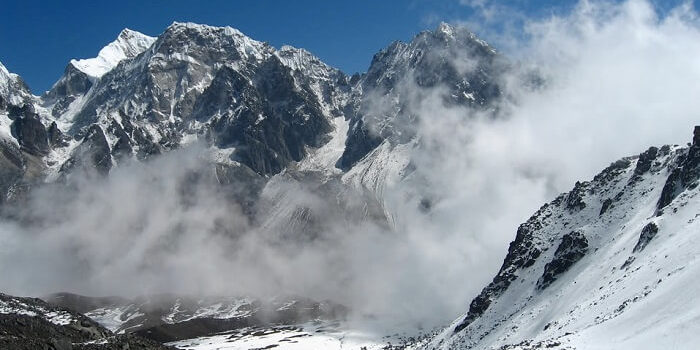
(220, 37)
(128, 44)
(12, 88)
(445, 28)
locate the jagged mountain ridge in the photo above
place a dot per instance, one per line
(449, 57)
(260, 111)
(149, 95)
(602, 266)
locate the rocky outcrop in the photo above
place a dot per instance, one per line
(648, 233)
(645, 160)
(29, 131)
(572, 248)
(57, 138)
(684, 176)
(93, 153)
(522, 253)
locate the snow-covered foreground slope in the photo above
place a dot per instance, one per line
(613, 264)
(315, 335)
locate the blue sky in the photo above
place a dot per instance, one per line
(38, 38)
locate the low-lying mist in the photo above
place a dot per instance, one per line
(616, 79)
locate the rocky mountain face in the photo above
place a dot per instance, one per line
(30, 324)
(602, 266)
(195, 81)
(451, 58)
(262, 113)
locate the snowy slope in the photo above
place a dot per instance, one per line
(613, 264)
(129, 44)
(35, 308)
(312, 335)
(13, 90)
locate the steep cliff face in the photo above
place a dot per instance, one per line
(450, 58)
(200, 82)
(257, 109)
(598, 267)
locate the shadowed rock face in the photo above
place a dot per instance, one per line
(449, 57)
(92, 153)
(266, 105)
(29, 131)
(71, 86)
(684, 176)
(645, 161)
(648, 233)
(267, 120)
(522, 253)
(572, 248)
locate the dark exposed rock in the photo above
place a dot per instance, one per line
(92, 153)
(612, 171)
(645, 161)
(31, 133)
(274, 122)
(122, 148)
(72, 84)
(522, 253)
(572, 248)
(683, 176)
(24, 110)
(241, 183)
(361, 141)
(12, 168)
(648, 233)
(606, 205)
(299, 311)
(574, 199)
(56, 138)
(627, 262)
(137, 137)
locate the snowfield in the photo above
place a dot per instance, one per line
(318, 335)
